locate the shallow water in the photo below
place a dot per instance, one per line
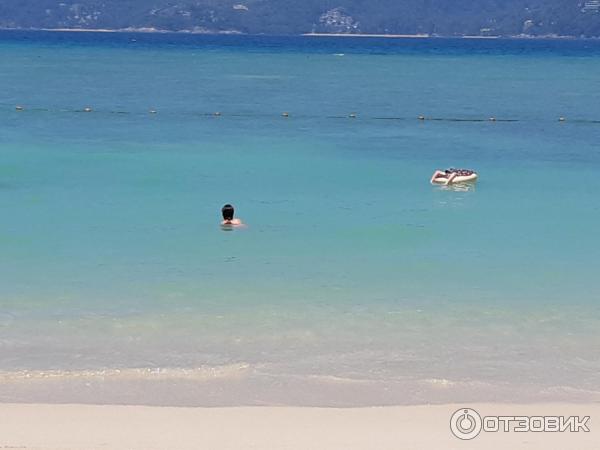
(356, 282)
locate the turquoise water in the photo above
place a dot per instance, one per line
(356, 281)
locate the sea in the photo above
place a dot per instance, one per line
(355, 282)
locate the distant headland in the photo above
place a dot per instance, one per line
(384, 18)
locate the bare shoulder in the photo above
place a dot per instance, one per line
(232, 223)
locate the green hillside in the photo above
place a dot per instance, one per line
(440, 17)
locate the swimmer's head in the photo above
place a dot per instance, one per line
(227, 212)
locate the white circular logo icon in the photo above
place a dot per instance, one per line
(465, 424)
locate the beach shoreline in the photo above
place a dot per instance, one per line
(69, 426)
(245, 385)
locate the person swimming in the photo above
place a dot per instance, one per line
(450, 175)
(228, 221)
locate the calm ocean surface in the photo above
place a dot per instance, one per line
(356, 281)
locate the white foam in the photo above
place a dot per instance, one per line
(154, 373)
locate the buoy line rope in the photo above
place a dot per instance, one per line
(282, 115)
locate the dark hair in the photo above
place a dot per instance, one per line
(227, 212)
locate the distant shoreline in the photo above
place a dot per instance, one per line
(429, 36)
(404, 36)
(387, 36)
(150, 30)
(126, 30)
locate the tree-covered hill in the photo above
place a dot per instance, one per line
(434, 17)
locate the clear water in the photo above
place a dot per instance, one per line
(356, 281)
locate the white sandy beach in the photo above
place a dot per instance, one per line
(66, 427)
(367, 35)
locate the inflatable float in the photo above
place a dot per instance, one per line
(467, 178)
